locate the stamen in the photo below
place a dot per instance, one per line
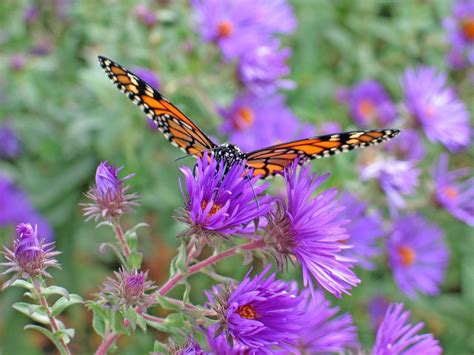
(407, 255)
(247, 311)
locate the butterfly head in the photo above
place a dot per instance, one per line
(230, 154)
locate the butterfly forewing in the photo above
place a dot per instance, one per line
(173, 123)
(274, 159)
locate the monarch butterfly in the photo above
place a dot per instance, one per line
(185, 134)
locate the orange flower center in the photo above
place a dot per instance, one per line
(467, 28)
(367, 108)
(247, 311)
(407, 255)
(214, 209)
(244, 118)
(451, 192)
(224, 29)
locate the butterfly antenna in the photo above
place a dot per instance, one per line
(247, 177)
(192, 154)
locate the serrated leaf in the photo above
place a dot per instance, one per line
(55, 290)
(23, 284)
(33, 311)
(49, 335)
(61, 304)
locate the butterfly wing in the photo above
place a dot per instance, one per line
(274, 159)
(174, 124)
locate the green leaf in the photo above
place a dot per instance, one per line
(166, 304)
(135, 260)
(61, 304)
(131, 238)
(116, 320)
(23, 284)
(141, 322)
(160, 348)
(49, 335)
(162, 327)
(55, 290)
(99, 317)
(35, 312)
(181, 264)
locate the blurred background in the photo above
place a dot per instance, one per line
(60, 116)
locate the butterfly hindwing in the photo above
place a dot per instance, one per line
(173, 123)
(274, 159)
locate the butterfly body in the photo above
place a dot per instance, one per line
(185, 134)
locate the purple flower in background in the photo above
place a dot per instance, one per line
(30, 256)
(369, 104)
(397, 336)
(10, 147)
(407, 146)
(109, 196)
(15, 207)
(146, 16)
(377, 308)
(323, 331)
(30, 14)
(128, 289)
(260, 69)
(220, 202)
(436, 107)
(417, 255)
(364, 229)
(455, 190)
(259, 312)
(218, 344)
(17, 62)
(310, 230)
(191, 348)
(240, 25)
(460, 33)
(148, 75)
(244, 119)
(329, 128)
(395, 177)
(42, 48)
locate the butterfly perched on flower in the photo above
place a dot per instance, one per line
(185, 134)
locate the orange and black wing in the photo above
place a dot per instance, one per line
(174, 124)
(274, 159)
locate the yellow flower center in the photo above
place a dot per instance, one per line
(244, 118)
(247, 311)
(467, 28)
(407, 255)
(451, 192)
(224, 29)
(214, 209)
(367, 108)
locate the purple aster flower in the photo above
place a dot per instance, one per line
(311, 231)
(237, 26)
(417, 254)
(455, 190)
(10, 147)
(364, 229)
(109, 197)
(396, 336)
(260, 69)
(30, 256)
(395, 177)
(244, 119)
(149, 76)
(220, 202)
(370, 104)
(323, 331)
(408, 146)
(146, 16)
(30, 14)
(42, 48)
(460, 31)
(218, 344)
(16, 207)
(128, 289)
(259, 312)
(436, 107)
(377, 308)
(191, 348)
